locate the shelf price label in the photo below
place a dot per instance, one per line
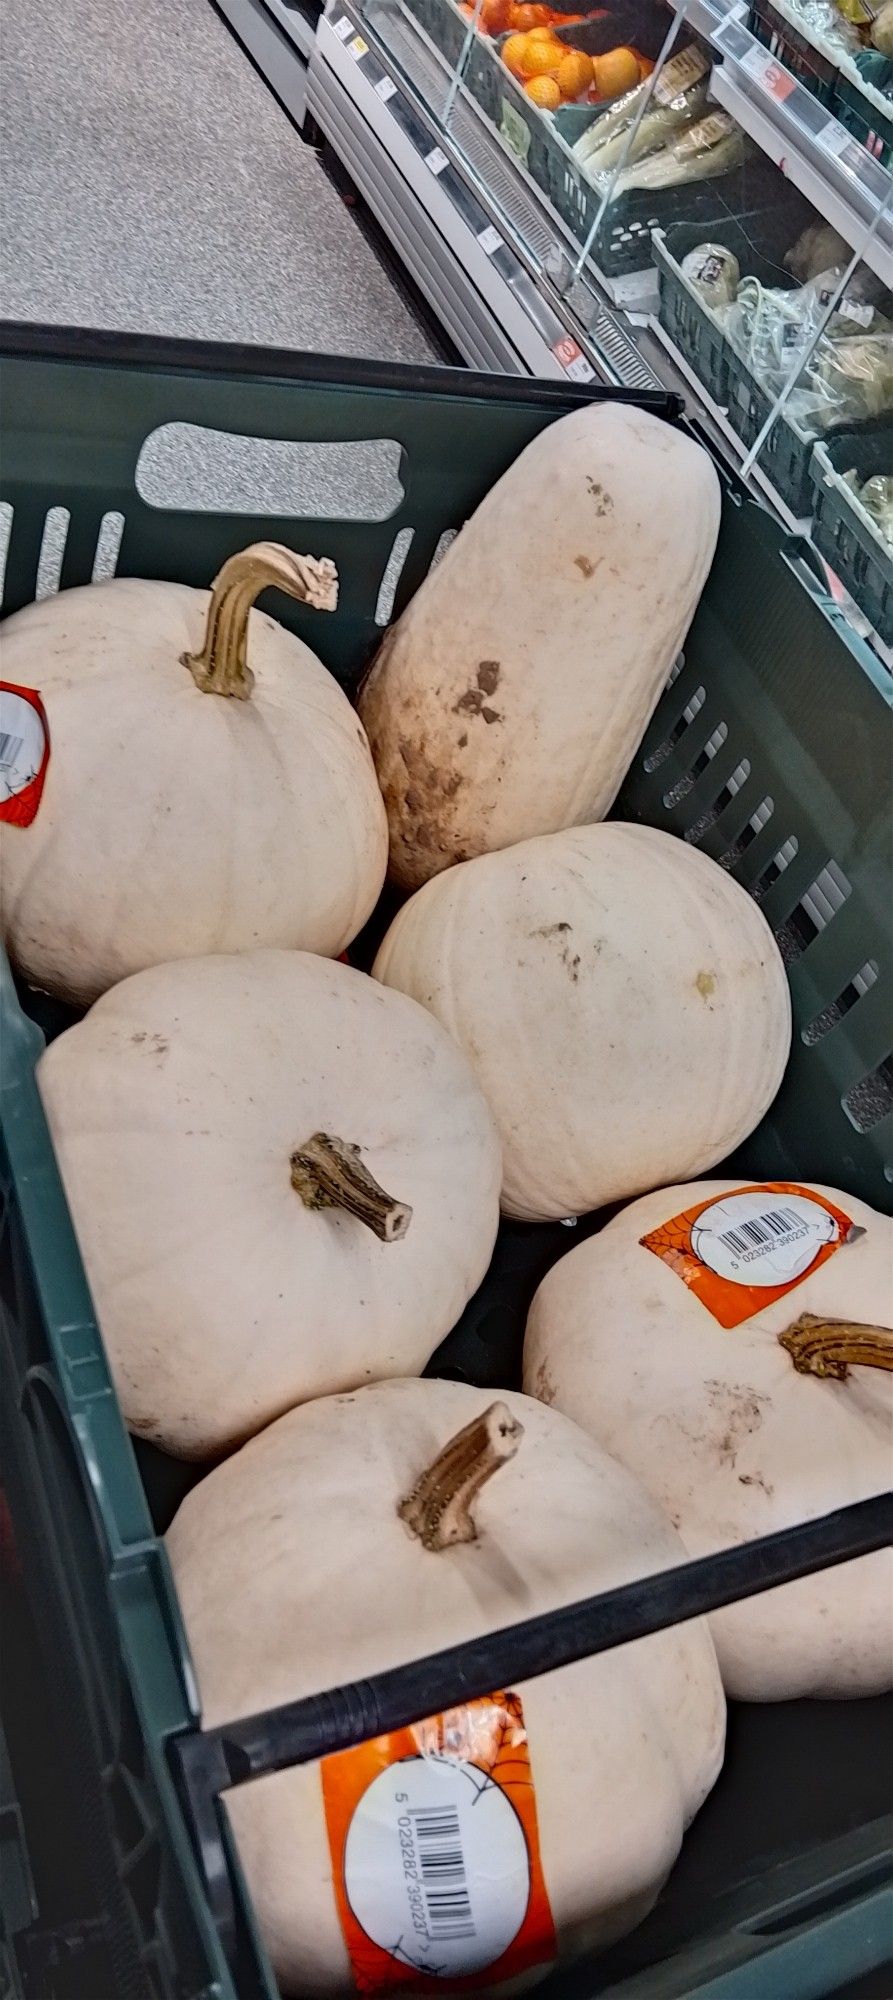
(358, 48)
(770, 75)
(342, 28)
(571, 358)
(386, 89)
(489, 240)
(436, 160)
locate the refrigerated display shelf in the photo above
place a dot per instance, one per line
(478, 240)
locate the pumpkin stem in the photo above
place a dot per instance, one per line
(438, 1509)
(222, 667)
(830, 1347)
(328, 1173)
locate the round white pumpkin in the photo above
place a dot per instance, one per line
(295, 1573)
(204, 1115)
(195, 800)
(510, 696)
(622, 1001)
(726, 1431)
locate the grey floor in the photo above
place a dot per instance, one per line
(151, 181)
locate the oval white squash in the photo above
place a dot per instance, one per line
(729, 1435)
(193, 802)
(510, 696)
(621, 999)
(238, 1262)
(295, 1573)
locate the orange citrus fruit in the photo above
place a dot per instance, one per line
(544, 91)
(538, 58)
(615, 72)
(574, 74)
(512, 51)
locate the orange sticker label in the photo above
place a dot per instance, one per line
(24, 752)
(435, 1852)
(737, 1252)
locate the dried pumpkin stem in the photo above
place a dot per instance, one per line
(222, 665)
(438, 1509)
(328, 1173)
(830, 1347)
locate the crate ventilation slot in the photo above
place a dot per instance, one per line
(5, 532)
(814, 912)
(675, 671)
(704, 759)
(739, 846)
(869, 1101)
(191, 468)
(665, 749)
(446, 539)
(713, 812)
(781, 860)
(108, 546)
(860, 984)
(52, 552)
(387, 589)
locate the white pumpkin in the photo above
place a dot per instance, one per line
(722, 1425)
(284, 1181)
(510, 696)
(295, 1573)
(192, 803)
(621, 999)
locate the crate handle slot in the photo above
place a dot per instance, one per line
(191, 468)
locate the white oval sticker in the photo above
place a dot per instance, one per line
(22, 743)
(436, 1868)
(760, 1238)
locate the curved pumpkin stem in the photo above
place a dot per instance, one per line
(438, 1509)
(328, 1173)
(830, 1347)
(222, 666)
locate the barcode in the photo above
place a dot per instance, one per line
(9, 749)
(442, 1871)
(772, 1227)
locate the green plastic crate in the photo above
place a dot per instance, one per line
(693, 328)
(843, 533)
(768, 750)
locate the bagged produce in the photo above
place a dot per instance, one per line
(510, 696)
(875, 495)
(283, 1179)
(664, 107)
(731, 1343)
(365, 1531)
(621, 999)
(713, 146)
(713, 272)
(205, 783)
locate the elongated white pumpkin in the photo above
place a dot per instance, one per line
(296, 1573)
(735, 1432)
(510, 696)
(284, 1180)
(622, 1001)
(209, 786)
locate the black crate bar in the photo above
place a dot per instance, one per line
(209, 1762)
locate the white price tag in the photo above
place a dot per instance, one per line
(342, 28)
(358, 48)
(833, 139)
(386, 89)
(436, 160)
(489, 240)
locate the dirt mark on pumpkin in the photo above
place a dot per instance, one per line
(473, 701)
(603, 502)
(739, 1412)
(543, 1386)
(586, 568)
(569, 958)
(706, 984)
